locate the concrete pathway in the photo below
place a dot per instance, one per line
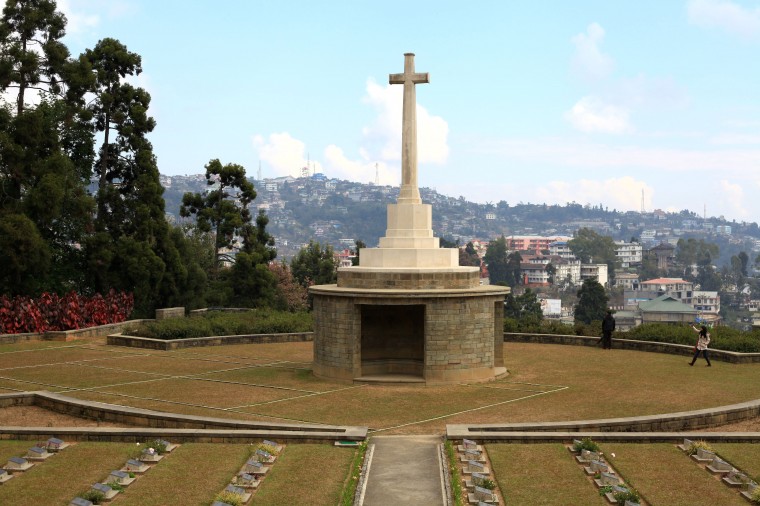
(405, 470)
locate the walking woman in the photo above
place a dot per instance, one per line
(702, 342)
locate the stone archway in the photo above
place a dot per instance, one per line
(392, 339)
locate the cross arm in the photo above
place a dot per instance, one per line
(416, 78)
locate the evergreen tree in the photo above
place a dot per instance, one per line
(588, 246)
(358, 246)
(315, 265)
(496, 260)
(592, 302)
(224, 209)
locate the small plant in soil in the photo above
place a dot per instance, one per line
(695, 446)
(586, 444)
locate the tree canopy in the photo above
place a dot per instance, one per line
(592, 302)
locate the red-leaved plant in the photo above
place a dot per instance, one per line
(72, 311)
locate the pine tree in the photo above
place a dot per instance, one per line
(592, 302)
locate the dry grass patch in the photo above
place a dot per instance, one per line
(379, 407)
(663, 474)
(306, 474)
(541, 474)
(169, 365)
(169, 407)
(302, 379)
(202, 393)
(192, 474)
(60, 478)
(744, 456)
(50, 356)
(64, 376)
(297, 352)
(10, 449)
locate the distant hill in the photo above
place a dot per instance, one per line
(337, 212)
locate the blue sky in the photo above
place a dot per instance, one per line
(543, 102)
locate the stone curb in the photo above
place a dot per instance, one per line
(68, 335)
(685, 420)
(733, 357)
(168, 423)
(455, 432)
(176, 344)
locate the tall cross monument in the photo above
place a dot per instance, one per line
(409, 241)
(409, 192)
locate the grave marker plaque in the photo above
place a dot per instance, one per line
(78, 501)
(609, 479)
(483, 494)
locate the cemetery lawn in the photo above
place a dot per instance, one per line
(194, 473)
(544, 474)
(306, 474)
(63, 476)
(745, 457)
(663, 474)
(273, 382)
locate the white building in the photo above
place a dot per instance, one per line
(561, 249)
(709, 302)
(628, 253)
(598, 271)
(566, 269)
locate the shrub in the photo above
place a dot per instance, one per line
(605, 490)
(115, 485)
(456, 479)
(756, 496)
(628, 495)
(695, 446)
(94, 496)
(488, 483)
(217, 323)
(230, 498)
(586, 444)
(271, 450)
(721, 338)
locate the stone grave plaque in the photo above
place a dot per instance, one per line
(168, 445)
(609, 479)
(576, 444)
(685, 445)
(150, 455)
(54, 444)
(219, 503)
(587, 456)
(597, 466)
(277, 447)
(106, 490)
(120, 477)
(483, 494)
(78, 501)
(631, 503)
(719, 466)
(264, 456)
(475, 467)
(5, 476)
(703, 455)
(17, 464)
(736, 478)
(240, 492)
(135, 466)
(247, 480)
(37, 453)
(478, 479)
(255, 467)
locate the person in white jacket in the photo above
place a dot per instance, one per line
(702, 342)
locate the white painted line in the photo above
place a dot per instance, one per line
(368, 458)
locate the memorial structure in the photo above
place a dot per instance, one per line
(408, 311)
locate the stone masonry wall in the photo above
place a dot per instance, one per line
(335, 345)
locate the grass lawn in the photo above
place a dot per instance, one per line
(11, 359)
(193, 474)
(543, 474)
(742, 456)
(62, 477)
(663, 474)
(306, 474)
(294, 352)
(301, 379)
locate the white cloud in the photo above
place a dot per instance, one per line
(284, 154)
(615, 193)
(573, 153)
(591, 114)
(650, 92)
(726, 15)
(589, 60)
(77, 21)
(341, 167)
(730, 196)
(383, 136)
(736, 139)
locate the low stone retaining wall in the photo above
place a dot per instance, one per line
(683, 421)
(611, 437)
(180, 427)
(631, 344)
(176, 344)
(170, 312)
(70, 335)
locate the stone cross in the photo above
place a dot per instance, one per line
(409, 193)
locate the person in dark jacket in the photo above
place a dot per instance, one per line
(608, 327)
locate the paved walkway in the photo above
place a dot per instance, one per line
(405, 470)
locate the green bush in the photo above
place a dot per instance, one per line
(721, 338)
(94, 496)
(585, 444)
(629, 495)
(218, 323)
(230, 498)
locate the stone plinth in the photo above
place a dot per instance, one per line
(441, 335)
